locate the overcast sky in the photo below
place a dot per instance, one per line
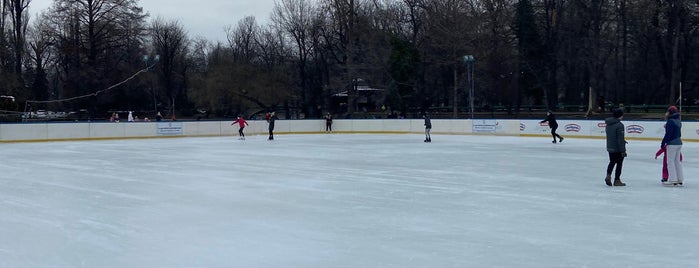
(200, 18)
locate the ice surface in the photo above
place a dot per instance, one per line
(342, 200)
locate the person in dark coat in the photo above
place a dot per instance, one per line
(272, 117)
(553, 124)
(328, 123)
(428, 127)
(616, 147)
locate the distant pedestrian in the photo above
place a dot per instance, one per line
(241, 123)
(672, 141)
(616, 147)
(158, 117)
(328, 123)
(428, 127)
(272, 117)
(553, 124)
(130, 117)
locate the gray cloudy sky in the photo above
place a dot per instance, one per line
(201, 17)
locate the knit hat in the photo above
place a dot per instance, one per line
(618, 113)
(672, 109)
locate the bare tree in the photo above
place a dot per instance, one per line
(298, 19)
(40, 43)
(242, 40)
(171, 43)
(19, 30)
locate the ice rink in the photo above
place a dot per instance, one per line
(343, 200)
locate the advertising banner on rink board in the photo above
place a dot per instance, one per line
(635, 129)
(484, 125)
(170, 128)
(690, 131)
(565, 127)
(596, 128)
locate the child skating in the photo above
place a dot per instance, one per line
(242, 123)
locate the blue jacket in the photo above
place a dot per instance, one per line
(673, 131)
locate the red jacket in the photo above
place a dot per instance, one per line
(241, 122)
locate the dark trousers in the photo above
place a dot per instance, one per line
(553, 133)
(240, 132)
(328, 126)
(618, 160)
(271, 133)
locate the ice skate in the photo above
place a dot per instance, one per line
(608, 180)
(560, 140)
(672, 183)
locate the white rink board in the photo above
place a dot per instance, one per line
(11, 132)
(106, 130)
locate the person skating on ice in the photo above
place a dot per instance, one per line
(270, 120)
(428, 127)
(242, 123)
(328, 123)
(672, 141)
(553, 124)
(616, 147)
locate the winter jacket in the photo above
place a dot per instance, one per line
(428, 122)
(551, 118)
(271, 120)
(673, 131)
(241, 122)
(615, 135)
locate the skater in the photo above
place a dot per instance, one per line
(553, 124)
(672, 141)
(428, 127)
(270, 120)
(664, 173)
(328, 123)
(242, 123)
(616, 146)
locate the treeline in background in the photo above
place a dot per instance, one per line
(352, 58)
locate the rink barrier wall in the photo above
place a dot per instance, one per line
(31, 132)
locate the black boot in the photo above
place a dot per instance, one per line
(617, 182)
(608, 180)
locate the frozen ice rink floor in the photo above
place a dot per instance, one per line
(342, 200)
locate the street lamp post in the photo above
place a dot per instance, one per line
(150, 63)
(469, 60)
